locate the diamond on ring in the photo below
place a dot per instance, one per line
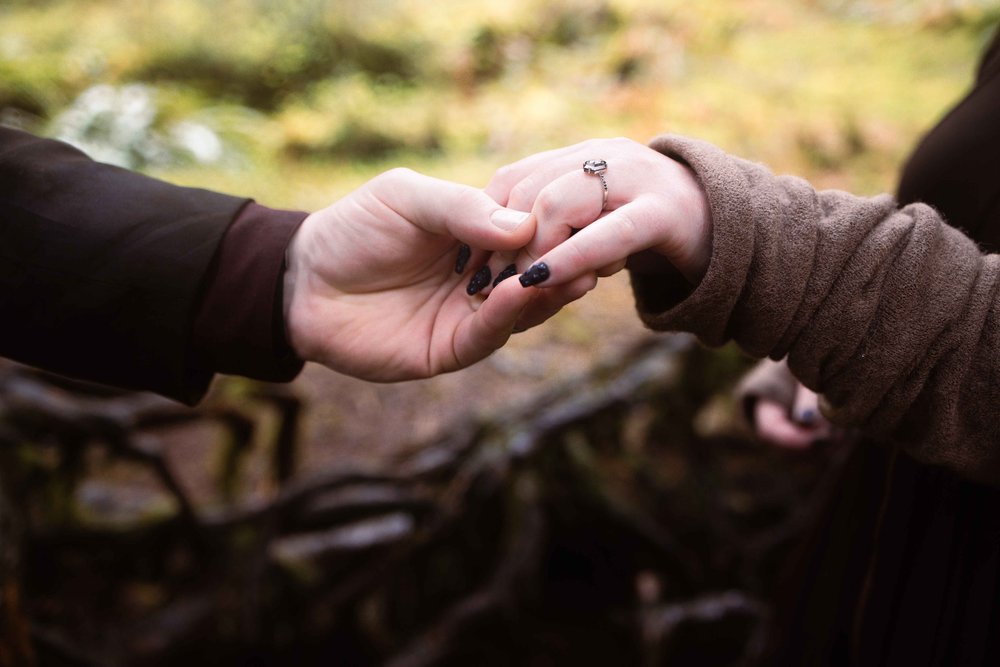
(597, 168)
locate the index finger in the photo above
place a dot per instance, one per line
(606, 241)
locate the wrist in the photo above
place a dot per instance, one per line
(701, 218)
(294, 284)
(685, 218)
(684, 226)
(692, 215)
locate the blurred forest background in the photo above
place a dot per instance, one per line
(296, 103)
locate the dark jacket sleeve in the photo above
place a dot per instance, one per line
(101, 268)
(240, 325)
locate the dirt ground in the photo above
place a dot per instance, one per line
(351, 422)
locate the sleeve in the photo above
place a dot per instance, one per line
(102, 270)
(889, 313)
(240, 324)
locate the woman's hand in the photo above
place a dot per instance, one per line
(799, 428)
(656, 210)
(371, 286)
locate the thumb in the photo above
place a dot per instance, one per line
(461, 211)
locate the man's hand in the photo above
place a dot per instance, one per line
(371, 287)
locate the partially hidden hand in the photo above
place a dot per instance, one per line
(371, 288)
(798, 427)
(656, 217)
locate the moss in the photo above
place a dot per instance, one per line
(266, 77)
(365, 142)
(494, 82)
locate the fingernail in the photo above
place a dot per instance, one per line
(508, 219)
(807, 416)
(464, 253)
(479, 280)
(536, 274)
(505, 274)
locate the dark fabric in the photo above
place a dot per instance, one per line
(903, 567)
(100, 268)
(239, 328)
(817, 600)
(934, 591)
(104, 272)
(956, 167)
(933, 585)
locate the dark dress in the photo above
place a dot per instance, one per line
(903, 566)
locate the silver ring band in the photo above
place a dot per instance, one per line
(597, 168)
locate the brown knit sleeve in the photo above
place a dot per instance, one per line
(889, 313)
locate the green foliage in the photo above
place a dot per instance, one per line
(835, 90)
(568, 24)
(487, 53)
(362, 141)
(30, 89)
(265, 78)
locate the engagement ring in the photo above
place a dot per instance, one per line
(597, 168)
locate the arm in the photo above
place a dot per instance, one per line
(113, 277)
(101, 268)
(890, 313)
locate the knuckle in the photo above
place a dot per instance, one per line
(397, 174)
(598, 145)
(499, 183)
(578, 256)
(469, 198)
(547, 204)
(582, 286)
(520, 195)
(627, 229)
(503, 174)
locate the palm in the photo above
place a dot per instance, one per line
(413, 309)
(380, 298)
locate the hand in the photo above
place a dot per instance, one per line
(371, 288)
(656, 209)
(800, 429)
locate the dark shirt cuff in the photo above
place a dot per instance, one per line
(239, 328)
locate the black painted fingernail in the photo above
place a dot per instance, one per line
(808, 417)
(505, 274)
(538, 273)
(480, 279)
(464, 253)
